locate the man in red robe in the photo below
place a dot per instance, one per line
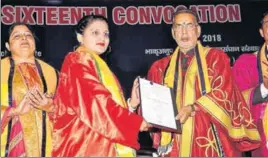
(215, 118)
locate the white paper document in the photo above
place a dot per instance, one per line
(158, 106)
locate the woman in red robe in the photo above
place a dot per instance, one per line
(92, 116)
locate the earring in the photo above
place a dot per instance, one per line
(35, 53)
(75, 47)
(4, 53)
(109, 49)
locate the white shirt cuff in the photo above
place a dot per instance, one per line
(130, 108)
(264, 91)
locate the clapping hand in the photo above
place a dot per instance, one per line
(40, 100)
(23, 107)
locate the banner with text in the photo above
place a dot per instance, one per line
(140, 31)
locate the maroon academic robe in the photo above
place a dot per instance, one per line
(224, 94)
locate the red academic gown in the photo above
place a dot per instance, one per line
(87, 120)
(224, 94)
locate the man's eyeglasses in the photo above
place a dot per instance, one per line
(188, 27)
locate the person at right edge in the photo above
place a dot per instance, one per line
(250, 73)
(216, 121)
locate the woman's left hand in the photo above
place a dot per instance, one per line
(135, 95)
(40, 100)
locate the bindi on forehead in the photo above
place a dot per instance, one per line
(183, 23)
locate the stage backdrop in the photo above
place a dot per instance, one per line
(140, 29)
